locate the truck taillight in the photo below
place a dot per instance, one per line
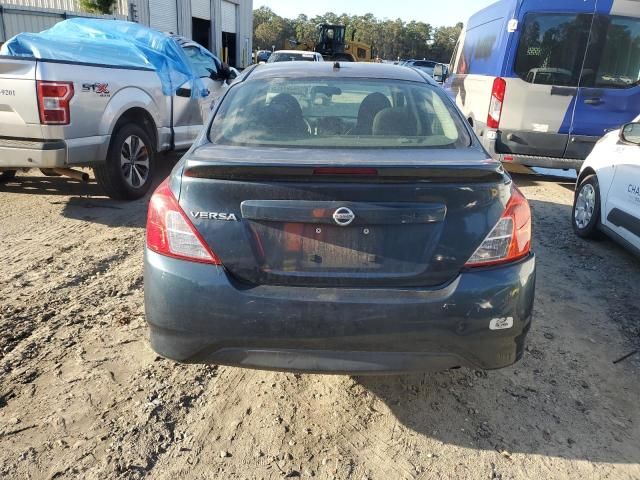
(53, 102)
(495, 105)
(170, 233)
(510, 238)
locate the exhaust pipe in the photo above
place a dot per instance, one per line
(71, 173)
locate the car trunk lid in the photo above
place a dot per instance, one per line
(408, 218)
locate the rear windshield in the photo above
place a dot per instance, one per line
(292, 57)
(338, 113)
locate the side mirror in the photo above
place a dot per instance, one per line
(216, 75)
(630, 133)
(439, 73)
(232, 74)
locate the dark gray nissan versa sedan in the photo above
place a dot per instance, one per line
(339, 218)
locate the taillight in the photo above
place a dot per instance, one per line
(53, 102)
(510, 239)
(170, 233)
(495, 105)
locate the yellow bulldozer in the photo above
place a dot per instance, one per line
(332, 46)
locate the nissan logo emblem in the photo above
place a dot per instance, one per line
(344, 216)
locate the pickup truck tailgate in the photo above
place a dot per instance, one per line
(19, 115)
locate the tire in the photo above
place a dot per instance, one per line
(7, 175)
(585, 215)
(48, 172)
(118, 176)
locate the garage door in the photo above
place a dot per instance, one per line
(229, 16)
(201, 9)
(163, 15)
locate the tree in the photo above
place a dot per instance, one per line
(444, 41)
(390, 39)
(97, 6)
(270, 29)
(267, 27)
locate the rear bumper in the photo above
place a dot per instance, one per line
(197, 313)
(20, 153)
(17, 153)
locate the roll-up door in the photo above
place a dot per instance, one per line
(229, 17)
(201, 9)
(163, 15)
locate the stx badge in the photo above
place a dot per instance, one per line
(102, 89)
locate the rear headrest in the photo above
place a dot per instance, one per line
(395, 121)
(289, 103)
(369, 108)
(283, 117)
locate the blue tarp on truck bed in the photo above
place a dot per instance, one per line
(109, 42)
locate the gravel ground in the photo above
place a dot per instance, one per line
(83, 396)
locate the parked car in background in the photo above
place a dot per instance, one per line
(294, 56)
(607, 197)
(426, 66)
(105, 105)
(542, 81)
(262, 56)
(369, 232)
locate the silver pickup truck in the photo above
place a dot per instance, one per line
(56, 115)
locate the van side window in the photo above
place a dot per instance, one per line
(613, 58)
(552, 48)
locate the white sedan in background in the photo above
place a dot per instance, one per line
(294, 56)
(607, 195)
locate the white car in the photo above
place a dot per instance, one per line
(607, 195)
(294, 56)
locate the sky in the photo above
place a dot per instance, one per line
(435, 12)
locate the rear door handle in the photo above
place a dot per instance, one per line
(594, 101)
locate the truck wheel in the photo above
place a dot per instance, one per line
(128, 171)
(585, 215)
(7, 175)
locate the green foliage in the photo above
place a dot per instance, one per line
(390, 39)
(97, 6)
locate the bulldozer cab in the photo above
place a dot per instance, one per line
(331, 40)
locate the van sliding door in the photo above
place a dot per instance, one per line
(539, 99)
(609, 93)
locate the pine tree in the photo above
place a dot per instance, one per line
(97, 6)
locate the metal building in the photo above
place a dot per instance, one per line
(223, 26)
(18, 16)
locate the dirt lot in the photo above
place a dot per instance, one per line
(83, 396)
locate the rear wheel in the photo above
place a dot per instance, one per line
(7, 175)
(585, 216)
(128, 171)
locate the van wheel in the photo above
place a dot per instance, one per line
(585, 216)
(128, 171)
(7, 175)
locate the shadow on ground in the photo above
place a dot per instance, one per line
(566, 397)
(531, 180)
(86, 201)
